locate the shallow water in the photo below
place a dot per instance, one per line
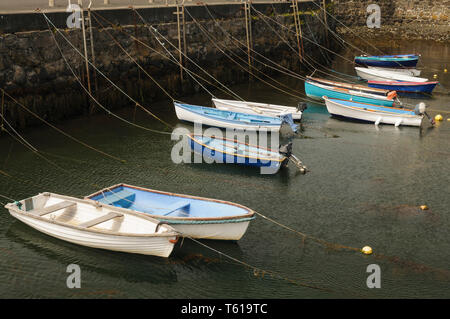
(364, 188)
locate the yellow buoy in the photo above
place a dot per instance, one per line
(423, 207)
(445, 70)
(366, 250)
(438, 117)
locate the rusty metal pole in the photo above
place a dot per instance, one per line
(324, 2)
(180, 55)
(248, 35)
(91, 36)
(80, 3)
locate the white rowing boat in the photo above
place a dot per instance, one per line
(374, 113)
(257, 108)
(406, 71)
(380, 75)
(233, 120)
(88, 224)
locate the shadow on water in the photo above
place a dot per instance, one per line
(130, 267)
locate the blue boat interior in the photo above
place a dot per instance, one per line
(166, 205)
(373, 107)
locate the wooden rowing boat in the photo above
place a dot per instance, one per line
(373, 113)
(191, 216)
(233, 120)
(94, 225)
(257, 108)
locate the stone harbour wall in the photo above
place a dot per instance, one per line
(400, 19)
(33, 71)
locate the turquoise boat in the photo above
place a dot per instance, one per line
(316, 90)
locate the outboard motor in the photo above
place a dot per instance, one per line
(302, 106)
(286, 150)
(420, 109)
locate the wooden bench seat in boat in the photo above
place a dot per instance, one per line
(101, 219)
(53, 208)
(182, 204)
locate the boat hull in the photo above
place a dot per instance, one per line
(422, 87)
(188, 115)
(389, 61)
(215, 230)
(406, 71)
(316, 92)
(369, 114)
(156, 246)
(222, 157)
(256, 108)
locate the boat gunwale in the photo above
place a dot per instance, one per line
(250, 211)
(403, 83)
(190, 135)
(171, 232)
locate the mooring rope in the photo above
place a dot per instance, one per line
(101, 73)
(337, 20)
(157, 33)
(259, 271)
(214, 42)
(306, 57)
(61, 131)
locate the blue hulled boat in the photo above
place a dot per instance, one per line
(222, 150)
(411, 87)
(388, 61)
(191, 216)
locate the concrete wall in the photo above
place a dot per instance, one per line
(33, 71)
(414, 19)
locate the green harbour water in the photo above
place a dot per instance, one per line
(364, 187)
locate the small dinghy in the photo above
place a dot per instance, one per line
(258, 108)
(234, 120)
(316, 90)
(191, 216)
(406, 71)
(379, 75)
(375, 113)
(88, 224)
(411, 87)
(356, 87)
(388, 61)
(222, 150)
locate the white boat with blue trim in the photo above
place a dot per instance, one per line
(258, 108)
(228, 119)
(94, 225)
(375, 113)
(191, 216)
(383, 75)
